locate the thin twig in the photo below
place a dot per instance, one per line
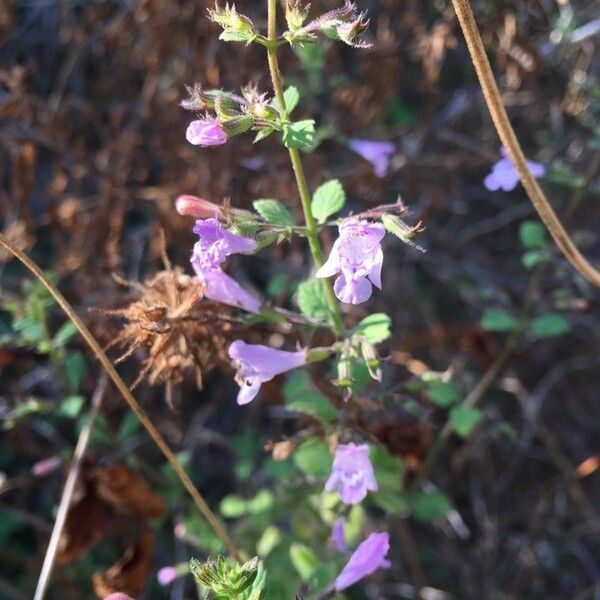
(199, 500)
(509, 140)
(67, 495)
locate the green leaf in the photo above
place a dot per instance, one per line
(263, 132)
(268, 540)
(304, 560)
(262, 502)
(550, 324)
(430, 506)
(533, 235)
(233, 506)
(301, 396)
(75, 368)
(312, 458)
(389, 469)
(312, 300)
(442, 394)
(497, 319)
(274, 212)
(66, 331)
(300, 134)
(532, 258)
(291, 97)
(71, 406)
(375, 328)
(328, 199)
(464, 419)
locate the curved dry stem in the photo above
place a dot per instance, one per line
(509, 140)
(202, 505)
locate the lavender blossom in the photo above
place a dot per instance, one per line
(358, 257)
(118, 596)
(215, 244)
(366, 559)
(352, 473)
(257, 364)
(206, 132)
(166, 575)
(504, 176)
(377, 153)
(338, 535)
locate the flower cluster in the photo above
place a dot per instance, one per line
(215, 244)
(357, 256)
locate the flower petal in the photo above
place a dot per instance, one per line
(352, 291)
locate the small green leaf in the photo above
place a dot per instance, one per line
(268, 540)
(304, 560)
(263, 501)
(430, 506)
(311, 299)
(532, 258)
(328, 199)
(464, 419)
(533, 235)
(301, 396)
(312, 458)
(263, 132)
(233, 506)
(375, 328)
(291, 97)
(300, 134)
(66, 331)
(75, 368)
(550, 324)
(274, 212)
(71, 406)
(442, 394)
(497, 319)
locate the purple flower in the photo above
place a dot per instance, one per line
(167, 575)
(206, 132)
(257, 364)
(366, 559)
(338, 535)
(352, 473)
(358, 257)
(215, 244)
(118, 596)
(504, 175)
(377, 153)
(46, 466)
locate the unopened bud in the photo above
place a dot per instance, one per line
(192, 206)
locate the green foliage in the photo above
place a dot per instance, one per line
(300, 134)
(233, 506)
(312, 457)
(274, 212)
(328, 199)
(430, 505)
(549, 325)
(301, 396)
(464, 419)
(75, 368)
(533, 235)
(71, 406)
(442, 394)
(498, 320)
(226, 579)
(291, 97)
(389, 474)
(312, 300)
(304, 560)
(375, 328)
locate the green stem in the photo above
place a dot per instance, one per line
(312, 231)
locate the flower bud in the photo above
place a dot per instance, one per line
(371, 360)
(295, 14)
(400, 229)
(192, 206)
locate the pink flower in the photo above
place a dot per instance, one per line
(192, 206)
(215, 244)
(366, 559)
(504, 175)
(352, 473)
(358, 257)
(206, 132)
(338, 535)
(377, 153)
(257, 364)
(118, 596)
(45, 466)
(167, 575)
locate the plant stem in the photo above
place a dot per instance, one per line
(509, 139)
(67, 495)
(312, 231)
(145, 420)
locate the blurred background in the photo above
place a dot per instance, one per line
(92, 157)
